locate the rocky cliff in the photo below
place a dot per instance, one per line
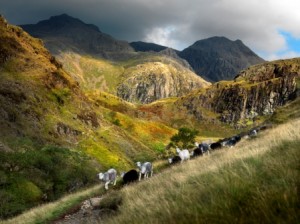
(218, 58)
(259, 90)
(147, 82)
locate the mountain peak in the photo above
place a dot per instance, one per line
(66, 33)
(63, 20)
(219, 58)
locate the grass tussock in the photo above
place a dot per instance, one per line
(255, 182)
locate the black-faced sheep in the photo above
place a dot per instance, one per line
(174, 160)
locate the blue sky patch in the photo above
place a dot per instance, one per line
(293, 43)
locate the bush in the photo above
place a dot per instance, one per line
(184, 138)
(31, 177)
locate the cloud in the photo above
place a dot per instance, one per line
(175, 23)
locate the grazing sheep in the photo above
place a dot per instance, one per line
(253, 133)
(237, 138)
(145, 169)
(130, 176)
(183, 154)
(108, 177)
(215, 145)
(197, 151)
(204, 147)
(174, 160)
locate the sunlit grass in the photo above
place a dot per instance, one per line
(254, 182)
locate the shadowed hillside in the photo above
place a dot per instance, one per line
(218, 58)
(54, 136)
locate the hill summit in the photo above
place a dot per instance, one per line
(64, 32)
(218, 58)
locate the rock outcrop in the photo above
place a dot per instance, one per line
(151, 81)
(258, 90)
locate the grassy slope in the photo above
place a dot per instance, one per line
(41, 106)
(253, 182)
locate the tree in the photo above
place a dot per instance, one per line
(185, 138)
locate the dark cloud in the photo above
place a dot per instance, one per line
(175, 23)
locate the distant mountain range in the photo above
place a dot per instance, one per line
(214, 59)
(99, 62)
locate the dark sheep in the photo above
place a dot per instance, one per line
(204, 147)
(130, 176)
(197, 152)
(174, 160)
(237, 138)
(216, 145)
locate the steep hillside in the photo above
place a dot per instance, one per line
(218, 58)
(254, 95)
(55, 136)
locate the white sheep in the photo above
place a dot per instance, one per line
(183, 154)
(108, 177)
(145, 169)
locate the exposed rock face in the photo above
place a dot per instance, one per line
(151, 81)
(218, 58)
(258, 90)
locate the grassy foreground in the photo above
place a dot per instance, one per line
(255, 182)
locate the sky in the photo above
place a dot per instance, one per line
(271, 28)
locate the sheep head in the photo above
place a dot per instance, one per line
(178, 150)
(138, 164)
(170, 160)
(101, 176)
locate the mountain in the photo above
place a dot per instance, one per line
(99, 62)
(63, 33)
(218, 58)
(144, 46)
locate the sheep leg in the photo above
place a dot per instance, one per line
(140, 175)
(115, 181)
(106, 185)
(151, 173)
